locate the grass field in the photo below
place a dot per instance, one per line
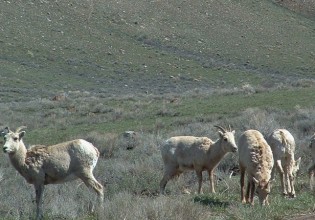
(94, 69)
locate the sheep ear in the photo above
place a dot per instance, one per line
(21, 134)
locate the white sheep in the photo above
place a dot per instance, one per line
(256, 159)
(41, 165)
(283, 145)
(195, 153)
(311, 169)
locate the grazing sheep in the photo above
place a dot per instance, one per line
(41, 165)
(282, 145)
(311, 169)
(195, 153)
(255, 157)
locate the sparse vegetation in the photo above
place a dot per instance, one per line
(92, 70)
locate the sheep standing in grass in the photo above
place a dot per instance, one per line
(41, 165)
(256, 159)
(282, 145)
(195, 153)
(311, 169)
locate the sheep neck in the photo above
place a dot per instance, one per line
(216, 153)
(18, 159)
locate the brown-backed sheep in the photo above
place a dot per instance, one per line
(195, 153)
(282, 145)
(255, 158)
(41, 165)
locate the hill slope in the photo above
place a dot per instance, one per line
(135, 46)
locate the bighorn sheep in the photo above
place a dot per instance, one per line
(282, 145)
(255, 157)
(311, 169)
(195, 153)
(54, 164)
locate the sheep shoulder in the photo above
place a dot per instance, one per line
(36, 154)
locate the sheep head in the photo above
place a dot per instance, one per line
(296, 167)
(227, 139)
(263, 190)
(12, 139)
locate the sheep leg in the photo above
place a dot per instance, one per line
(199, 176)
(248, 192)
(210, 172)
(291, 189)
(168, 174)
(282, 176)
(252, 191)
(290, 180)
(273, 173)
(91, 182)
(242, 182)
(311, 177)
(39, 191)
(289, 175)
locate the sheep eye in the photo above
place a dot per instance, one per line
(15, 138)
(225, 139)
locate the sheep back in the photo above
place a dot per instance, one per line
(186, 151)
(255, 155)
(281, 142)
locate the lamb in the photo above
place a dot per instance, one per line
(41, 165)
(311, 169)
(182, 153)
(256, 159)
(282, 145)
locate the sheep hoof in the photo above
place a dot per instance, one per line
(292, 195)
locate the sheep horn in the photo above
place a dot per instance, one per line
(20, 128)
(222, 129)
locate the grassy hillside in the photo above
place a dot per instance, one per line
(94, 69)
(128, 46)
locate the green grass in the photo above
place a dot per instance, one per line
(228, 204)
(148, 114)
